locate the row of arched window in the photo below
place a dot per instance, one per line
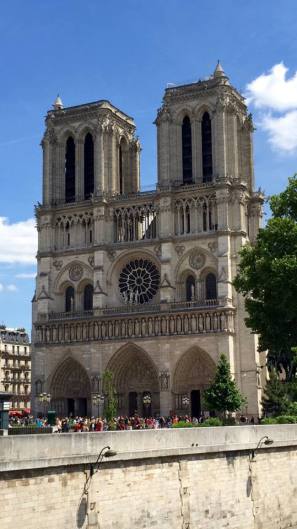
(70, 305)
(70, 166)
(210, 287)
(206, 146)
(70, 156)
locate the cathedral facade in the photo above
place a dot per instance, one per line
(140, 283)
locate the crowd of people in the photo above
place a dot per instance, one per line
(99, 424)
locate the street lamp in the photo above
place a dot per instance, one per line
(98, 399)
(264, 440)
(185, 401)
(45, 399)
(105, 452)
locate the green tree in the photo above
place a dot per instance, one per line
(267, 278)
(110, 408)
(275, 400)
(223, 395)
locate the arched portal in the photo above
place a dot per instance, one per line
(135, 377)
(193, 374)
(70, 389)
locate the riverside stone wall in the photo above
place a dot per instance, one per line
(177, 479)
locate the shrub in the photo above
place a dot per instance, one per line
(183, 424)
(212, 421)
(269, 420)
(286, 419)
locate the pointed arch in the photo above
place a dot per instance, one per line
(70, 388)
(187, 150)
(134, 373)
(88, 165)
(194, 369)
(206, 136)
(70, 170)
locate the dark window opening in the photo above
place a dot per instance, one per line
(187, 151)
(69, 299)
(190, 288)
(211, 286)
(91, 236)
(206, 148)
(88, 166)
(70, 171)
(188, 220)
(121, 168)
(88, 297)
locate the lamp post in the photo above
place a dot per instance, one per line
(185, 401)
(94, 467)
(98, 399)
(147, 400)
(264, 440)
(45, 399)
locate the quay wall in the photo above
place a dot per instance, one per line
(202, 478)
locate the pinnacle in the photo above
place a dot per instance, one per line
(58, 104)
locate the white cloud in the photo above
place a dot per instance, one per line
(273, 90)
(282, 131)
(275, 96)
(26, 275)
(8, 288)
(11, 288)
(18, 241)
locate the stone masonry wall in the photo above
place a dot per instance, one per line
(153, 483)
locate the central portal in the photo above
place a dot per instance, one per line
(136, 382)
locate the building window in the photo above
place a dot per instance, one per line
(13, 349)
(190, 288)
(88, 166)
(206, 148)
(5, 348)
(25, 350)
(69, 299)
(211, 286)
(70, 171)
(121, 168)
(88, 297)
(187, 150)
(18, 349)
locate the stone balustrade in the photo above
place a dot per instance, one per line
(120, 327)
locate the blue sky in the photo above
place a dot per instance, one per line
(127, 51)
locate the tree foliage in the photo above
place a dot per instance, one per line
(110, 408)
(267, 278)
(223, 395)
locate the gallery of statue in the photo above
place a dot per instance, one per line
(140, 283)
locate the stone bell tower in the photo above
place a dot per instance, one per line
(88, 150)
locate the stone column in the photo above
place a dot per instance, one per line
(99, 161)
(197, 151)
(165, 393)
(162, 122)
(47, 173)
(134, 170)
(114, 161)
(219, 139)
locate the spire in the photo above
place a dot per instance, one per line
(219, 72)
(58, 104)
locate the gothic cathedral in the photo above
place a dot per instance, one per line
(140, 283)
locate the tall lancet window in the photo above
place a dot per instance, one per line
(70, 170)
(187, 150)
(121, 168)
(206, 148)
(88, 166)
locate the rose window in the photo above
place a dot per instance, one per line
(139, 281)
